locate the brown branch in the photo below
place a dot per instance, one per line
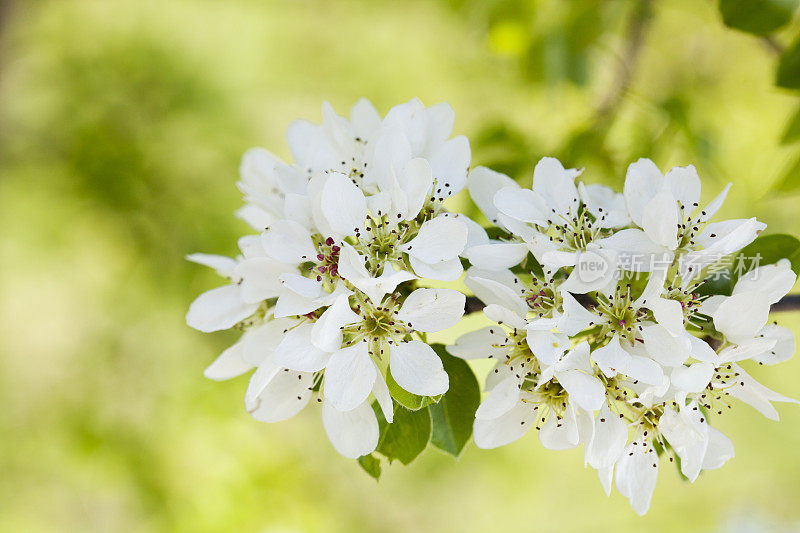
(637, 27)
(773, 45)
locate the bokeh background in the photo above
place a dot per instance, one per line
(121, 126)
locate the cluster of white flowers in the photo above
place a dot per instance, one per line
(605, 340)
(606, 335)
(326, 295)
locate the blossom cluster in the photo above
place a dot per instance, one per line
(605, 330)
(326, 294)
(610, 341)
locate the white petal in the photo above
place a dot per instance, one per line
(741, 316)
(613, 359)
(660, 220)
(720, 450)
(687, 433)
(483, 184)
(606, 205)
(256, 217)
(684, 184)
(259, 277)
(449, 270)
(223, 265)
(296, 352)
(524, 205)
(298, 209)
(755, 394)
(729, 236)
(351, 264)
(479, 344)
(784, 345)
(343, 204)
(450, 163)
(636, 476)
(609, 435)
(353, 433)
(560, 434)
(287, 241)
(773, 282)
(349, 377)
(381, 392)
(642, 183)
(260, 342)
(364, 119)
(606, 477)
(500, 431)
(417, 368)
(440, 239)
(387, 282)
(283, 397)
(502, 398)
(693, 378)
(390, 152)
(292, 304)
(326, 333)
(668, 313)
(219, 309)
(746, 349)
(432, 310)
(263, 375)
(713, 206)
(665, 348)
(576, 318)
(701, 350)
(636, 251)
(548, 347)
(556, 185)
(440, 119)
(585, 391)
(501, 315)
(229, 364)
(309, 145)
(301, 285)
(495, 292)
(496, 256)
(417, 181)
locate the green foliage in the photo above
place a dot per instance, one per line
(764, 250)
(407, 436)
(792, 132)
(757, 16)
(789, 67)
(771, 249)
(371, 465)
(405, 398)
(791, 178)
(454, 414)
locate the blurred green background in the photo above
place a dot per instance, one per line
(121, 126)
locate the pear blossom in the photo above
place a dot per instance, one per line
(602, 321)
(618, 362)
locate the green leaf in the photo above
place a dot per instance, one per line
(792, 132)
(789, 67)
(371, 465)
(454, 415)
(402, 396)
(407, 435)
(766, 250)
(757, 16)
(406, 399)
